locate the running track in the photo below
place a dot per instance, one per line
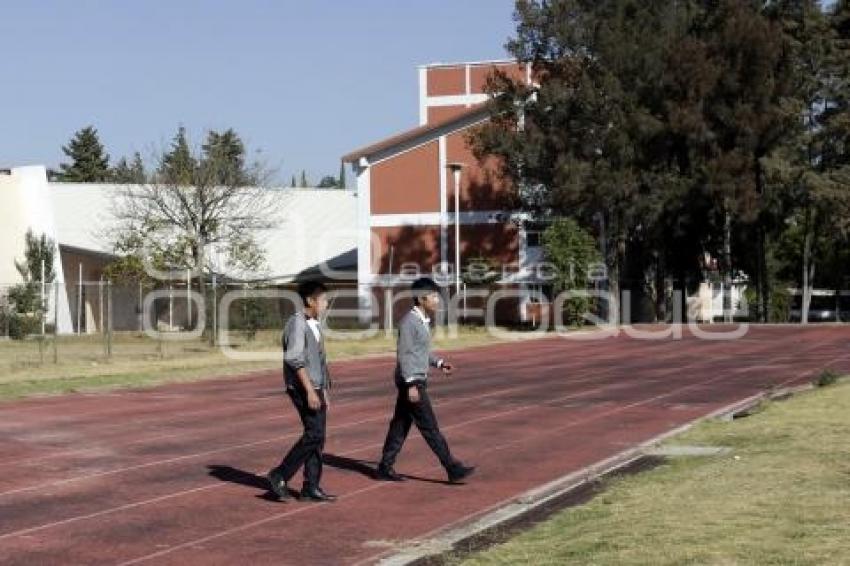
(172, 475)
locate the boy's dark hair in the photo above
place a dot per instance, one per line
(422, 287)
(308, 289)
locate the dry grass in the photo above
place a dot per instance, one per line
(137, 360)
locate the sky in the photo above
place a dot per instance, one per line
(303, 82)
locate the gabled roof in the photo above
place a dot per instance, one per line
(463, 119)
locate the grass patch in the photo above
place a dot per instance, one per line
(27, 368)
(782, 496)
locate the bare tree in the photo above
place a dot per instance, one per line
(203, 212)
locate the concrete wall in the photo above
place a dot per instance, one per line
(25, 205)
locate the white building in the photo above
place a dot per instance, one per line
(314, 226)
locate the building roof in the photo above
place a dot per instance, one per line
(83, 216)
(491, 62)
(471, 115)
(344, 268)
(316, 226)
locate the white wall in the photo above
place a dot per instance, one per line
(25, 205)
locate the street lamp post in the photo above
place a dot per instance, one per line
(456, 169)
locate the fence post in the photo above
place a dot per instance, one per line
(109, 319)
(80, 300)
(388, 311)
(40, 349)
(141, 308)
(214, 330)
(56, 322)
(7, 313)
(102, 321)
(464, 303)
(100, 303)
(188, 299)
(43, 303)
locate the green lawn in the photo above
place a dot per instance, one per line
(137, 360)
(782, 496)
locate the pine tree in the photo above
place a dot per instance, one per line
(303, 179)
(125, 172)
(292, 184)
(327, 182)
(224, 158)
(178, 166)
(38, 250)
(751, 111)
(588, 142)
(342, 175)
(89, 161)
(671, 128)
(802, 168)
(121, 171)
(26, 297)
(837, 116)
(137, 169)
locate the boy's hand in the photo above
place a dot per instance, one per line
(313, 400)
(447, 368)
(413, 394)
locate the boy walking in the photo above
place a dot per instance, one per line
(305, 371)
(413, 405)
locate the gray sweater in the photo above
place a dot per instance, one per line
(302, 350)
(413, 354)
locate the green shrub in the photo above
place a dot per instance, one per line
(780, 302)
(22, 325)
(826, 378)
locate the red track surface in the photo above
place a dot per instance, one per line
(172, 475)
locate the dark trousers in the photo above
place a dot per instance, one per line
(421, 413)
(308, 450)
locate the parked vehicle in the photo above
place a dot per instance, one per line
(824, 305)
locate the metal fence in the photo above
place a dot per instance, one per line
(92, 322)
(86, 323)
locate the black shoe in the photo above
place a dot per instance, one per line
(460, 473)
(385, 473)
(316, 494)
(277, 485)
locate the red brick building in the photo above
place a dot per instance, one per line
(406, 194)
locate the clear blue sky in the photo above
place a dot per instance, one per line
(304, 81)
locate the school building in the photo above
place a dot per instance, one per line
(422, 191)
